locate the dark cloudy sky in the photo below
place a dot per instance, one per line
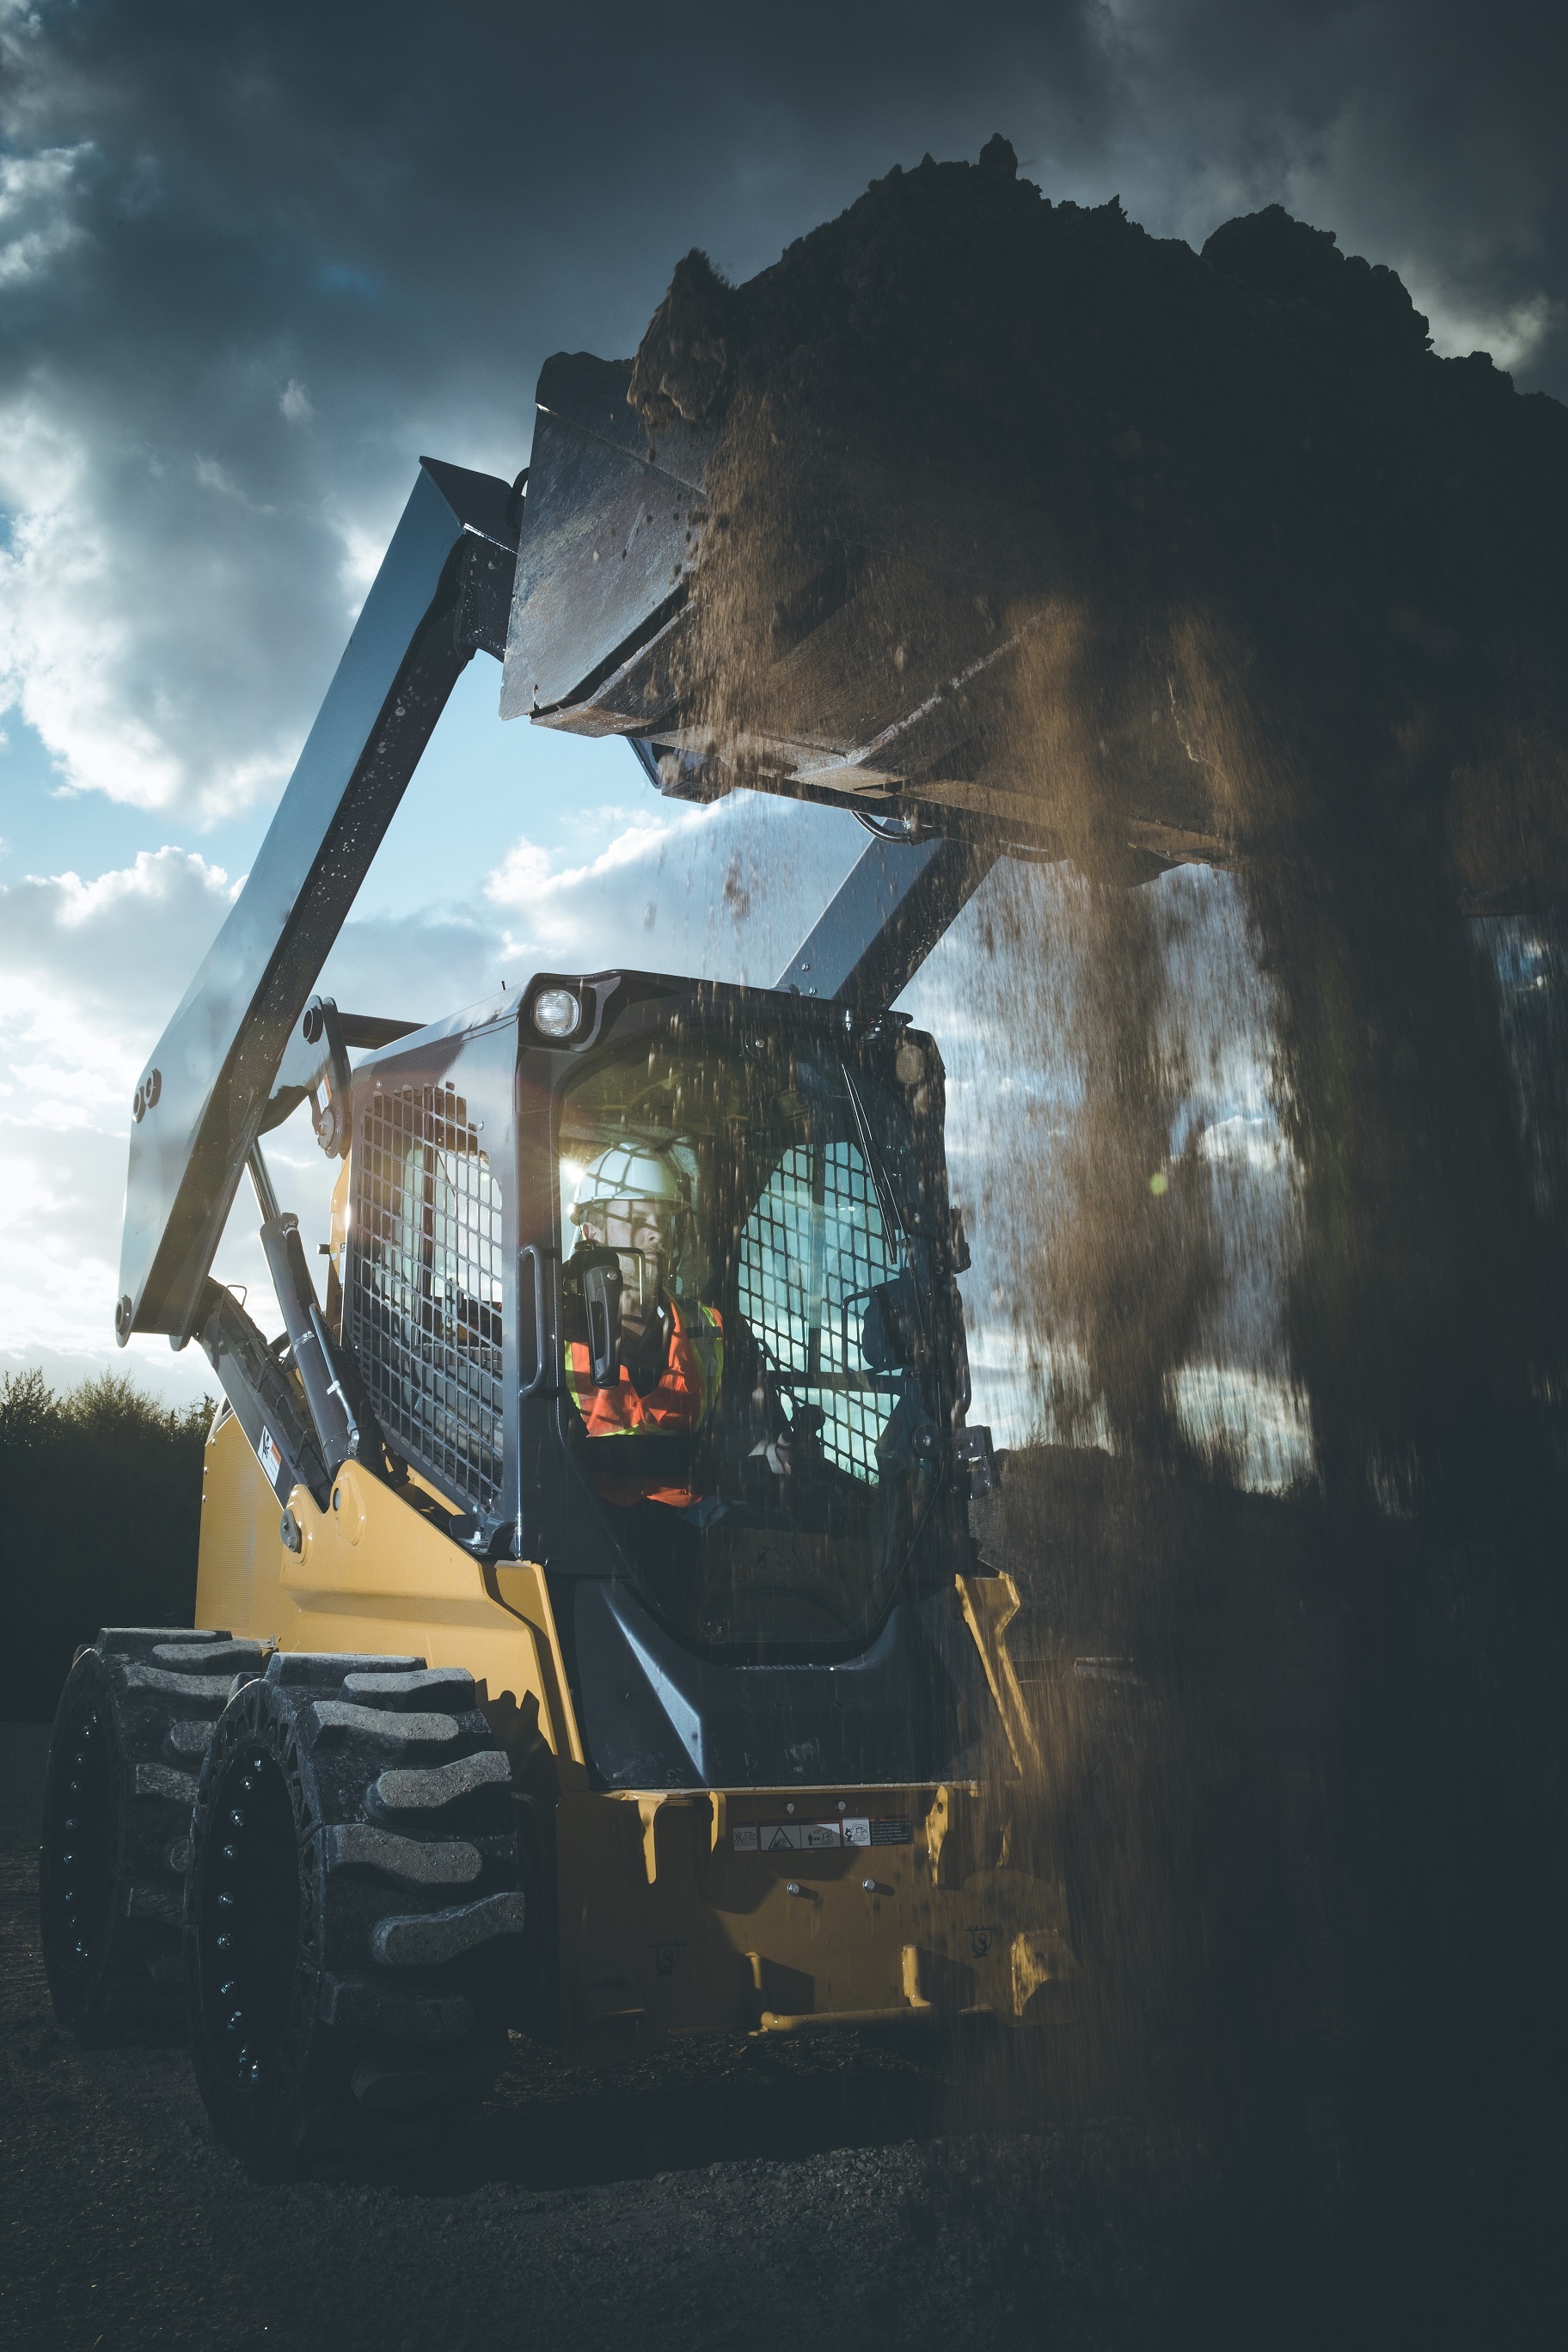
(254, 259)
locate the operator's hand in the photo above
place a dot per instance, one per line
(798, 1447)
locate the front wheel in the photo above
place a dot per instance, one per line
(134, 1719)
(352, 1913)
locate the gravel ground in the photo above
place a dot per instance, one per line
(835, 2191)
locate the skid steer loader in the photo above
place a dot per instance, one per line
(590, 1636)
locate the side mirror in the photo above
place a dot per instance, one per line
(888, 1326)
(602, 1301)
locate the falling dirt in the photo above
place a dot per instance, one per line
(1233, 568)
(1261, 525)
(1124, 556)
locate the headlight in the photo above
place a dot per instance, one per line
(557, 1013)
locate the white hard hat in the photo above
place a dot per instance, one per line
(629, 1171)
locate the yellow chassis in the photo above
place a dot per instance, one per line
(673, 1919)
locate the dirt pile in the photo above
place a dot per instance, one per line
(1275, 554)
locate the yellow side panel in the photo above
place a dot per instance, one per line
(240, 1520)
(372, 1574)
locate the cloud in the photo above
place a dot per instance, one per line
(141, 620)
(36, 215)
(202, 208)
(116, 950)
(86, 970)
(729, 890)
(89, 972)
(1427, 133)
(150, 1364)
(1513, 334)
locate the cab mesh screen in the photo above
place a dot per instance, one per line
(812, 1249)
(422, 1305)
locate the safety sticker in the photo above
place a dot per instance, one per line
(890, 1831)
(271, 1460)
(815, 1837)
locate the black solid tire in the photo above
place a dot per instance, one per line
(351, 1910)
(132, 1725)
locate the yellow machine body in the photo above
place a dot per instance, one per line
(682, 1911)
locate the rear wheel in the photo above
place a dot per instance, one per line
(137, 1711)
(352, 1913)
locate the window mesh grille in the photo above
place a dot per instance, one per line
(422, 1306)
(813, 1250)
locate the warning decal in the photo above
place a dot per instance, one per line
(271, 1460)
(817, 1837)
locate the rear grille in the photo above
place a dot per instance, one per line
(423, 1303)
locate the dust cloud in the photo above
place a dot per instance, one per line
(1202, 588)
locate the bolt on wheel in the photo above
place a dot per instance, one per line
(133, 1721)
(353, 1918)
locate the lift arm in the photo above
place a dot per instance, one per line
(886, 917)
(442, 593)
(236, 1057)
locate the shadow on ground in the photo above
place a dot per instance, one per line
(852, 2191)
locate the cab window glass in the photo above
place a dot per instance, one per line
(744, 1361)
(814, 1252)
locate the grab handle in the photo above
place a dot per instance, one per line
(530, 1258)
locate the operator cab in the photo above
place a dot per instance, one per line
(655, 1279)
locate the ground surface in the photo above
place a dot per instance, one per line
(833, 2192)
(825, 2193)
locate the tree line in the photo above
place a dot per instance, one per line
(100, 1499)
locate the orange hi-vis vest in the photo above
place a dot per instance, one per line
(677, 1408)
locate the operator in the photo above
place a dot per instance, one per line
(634, 1200)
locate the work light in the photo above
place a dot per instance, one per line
(557, 1013)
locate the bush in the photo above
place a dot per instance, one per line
(101, 1503)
